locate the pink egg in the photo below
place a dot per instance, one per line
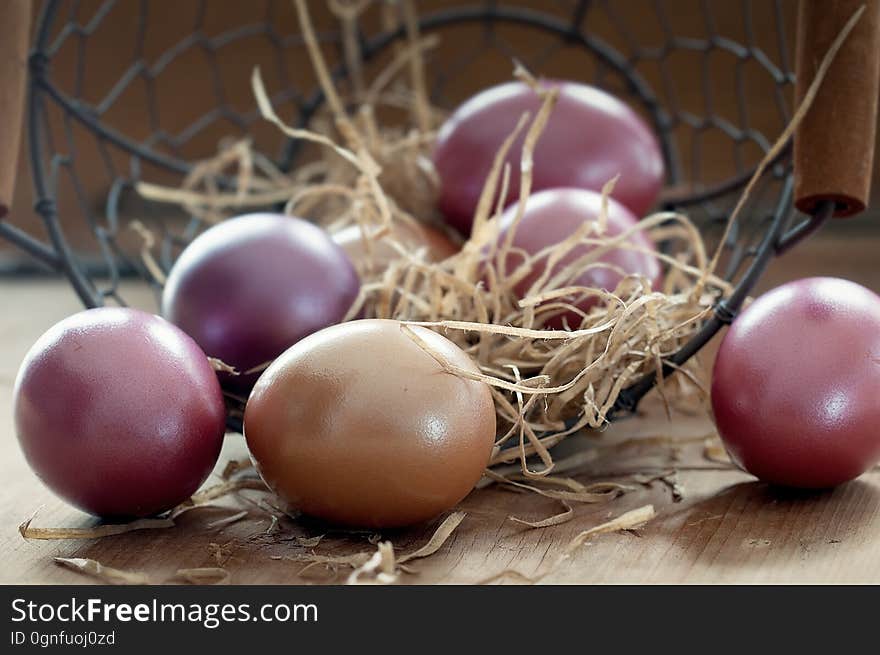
(591, 137)
(796, 384)
(554, 215)
(119, 412)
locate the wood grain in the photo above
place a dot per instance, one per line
(727, 528)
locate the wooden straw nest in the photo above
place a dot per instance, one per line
(547, 383)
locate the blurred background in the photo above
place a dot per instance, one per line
(173, 75)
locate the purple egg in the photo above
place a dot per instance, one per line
(119, 412)
(591, 137)
(249, 288)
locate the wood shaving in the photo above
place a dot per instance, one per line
(28, 531)
(222, 367)
(234, 466)
(596, 493)
(220, 490)
(209, 575)
(440, 537)
(150, 263)
(557, 519)
(381, 566)
(105, 574)
(228, 520)
(627, 521)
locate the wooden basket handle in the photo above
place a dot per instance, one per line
(15, 23)
(834, 144)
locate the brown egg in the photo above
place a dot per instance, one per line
(357, 425)
(410, 235)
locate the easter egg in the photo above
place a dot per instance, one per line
(119, 412)
(591, 136)
(250, 287)
(554, 215)
(358, 425)
(796, 382)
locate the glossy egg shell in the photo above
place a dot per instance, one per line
(437, 245)
(551, 217)
(796, 383)
(250, 287)
(119, 412)
(357, 425)
(591, 137)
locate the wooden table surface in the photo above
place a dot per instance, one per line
(725, 527)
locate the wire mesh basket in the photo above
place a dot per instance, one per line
(713, 78)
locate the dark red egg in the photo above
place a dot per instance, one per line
(796, 384)
(554, 215)
(591, 137)
(250, 287)
(119, 412)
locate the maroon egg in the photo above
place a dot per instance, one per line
(591, 137)
(796, 384)
(250, 287)
(551, 217)
(119, 412)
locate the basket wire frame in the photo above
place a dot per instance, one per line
(63, 118)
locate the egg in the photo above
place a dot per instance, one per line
(591, 136)
(358, 425)
(412, 236)
(119, 412)
(551, 217)
(796, 383)
(250, 287)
